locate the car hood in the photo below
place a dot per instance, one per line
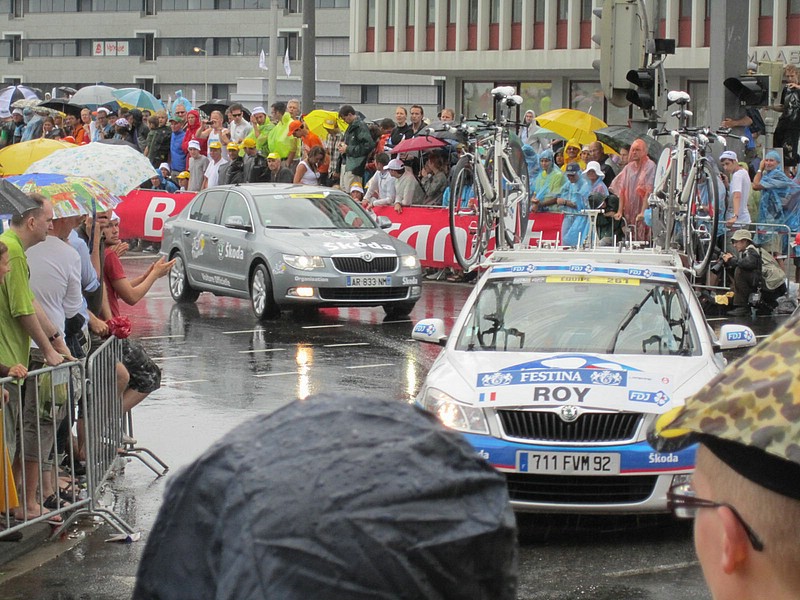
(333, 242)
(648, 384)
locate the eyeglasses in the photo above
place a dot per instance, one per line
(236, 115)
(684, 504)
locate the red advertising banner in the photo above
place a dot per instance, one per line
(142, 213)
(424, 228)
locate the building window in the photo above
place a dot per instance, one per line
(793, 22)
(765, 8)
(793, 7)
(431, 12)
(178, 46)
(240, 46)
(411, 12)
(371, 13)
(292, 40)
(472, 12)
(369, 94)
(338, 46)
(562, 10)
(332, 3)
(516, 11)
(117, 5)
(390, 13)
(765, 14)
(494, 11)
(587, 96)
(52, 48)
(536, 96)
(52, 6)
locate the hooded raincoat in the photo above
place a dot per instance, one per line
(575, 227)
(633, 185)
(549, 181)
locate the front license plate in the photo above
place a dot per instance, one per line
(568, 463)
(369, 281)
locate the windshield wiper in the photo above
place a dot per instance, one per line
(627, 320)
(278, 226)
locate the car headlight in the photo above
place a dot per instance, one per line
(303, 262)
(454, 414)
(409, 261)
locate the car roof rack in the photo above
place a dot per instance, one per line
(606, 254)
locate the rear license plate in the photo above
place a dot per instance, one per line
(568, 463)
(369, 281)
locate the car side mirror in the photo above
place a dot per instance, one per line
(237, 222)
(384, 222)
(430, 331)
(735, 336)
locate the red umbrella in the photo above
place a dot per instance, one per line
(418, 144)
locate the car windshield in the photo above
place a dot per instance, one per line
(324, 210)
(538, 314)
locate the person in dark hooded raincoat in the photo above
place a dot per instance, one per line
(334, 498)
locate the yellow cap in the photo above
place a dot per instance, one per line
(232, 146)
(248, 143)
(274, 155)
(183, 175)
(215, 145)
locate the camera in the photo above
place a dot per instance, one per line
(718, 266)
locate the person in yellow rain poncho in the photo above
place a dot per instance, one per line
(572, 154)
(280, 142)
(261, 128)
(744, 495)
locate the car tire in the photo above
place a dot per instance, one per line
(399, 309)
(179, 287)
(261, 299)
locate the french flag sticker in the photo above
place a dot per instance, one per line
(491, 397)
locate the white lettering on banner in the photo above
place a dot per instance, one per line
(160, 207)
(440, 243)
(420, 232)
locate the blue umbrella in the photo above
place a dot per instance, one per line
(13, 93)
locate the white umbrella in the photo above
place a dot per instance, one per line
(11, 94)
(119, 168)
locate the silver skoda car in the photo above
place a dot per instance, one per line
(284, 246)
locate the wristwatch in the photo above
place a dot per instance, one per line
(54, 337)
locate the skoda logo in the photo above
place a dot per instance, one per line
(569, 413)
(367, 257)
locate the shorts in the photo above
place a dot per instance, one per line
(145, 376)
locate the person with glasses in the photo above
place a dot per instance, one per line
(238, 127)
(745, 492)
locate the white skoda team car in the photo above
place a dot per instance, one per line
(559, 362)
(284, 246)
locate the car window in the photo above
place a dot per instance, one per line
(197, 207)
(235, 210)
(209, 209)
(579, 314)
(328, 210)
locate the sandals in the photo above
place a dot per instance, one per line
(54, 502)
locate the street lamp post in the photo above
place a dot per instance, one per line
(199, 50)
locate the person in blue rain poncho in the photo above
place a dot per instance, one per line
(779, 194)
(532, 161)
(548, 183)
(572, 199)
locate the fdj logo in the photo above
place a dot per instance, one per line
(640, 273)
(739, 336)
(657, 398)
(426, 329)
(581, 268)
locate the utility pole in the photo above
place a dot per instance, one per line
(309, 55)
(272, 89)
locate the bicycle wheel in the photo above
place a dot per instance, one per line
(702, 216)
(466, 201)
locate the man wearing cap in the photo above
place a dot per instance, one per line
(308, 139)
(276, 172)
(738, 215)
(357, 145)
(231, 171)
(183, 181)
(407, 188)
(12, 130)
(261, 128)
(238, 127)
(197, 167)
(381, 189)
(254, 166)
(100, 128)
(745, 491)
(215, 161)
(747, 274)
(177, 156)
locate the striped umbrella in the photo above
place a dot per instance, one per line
(11, 94)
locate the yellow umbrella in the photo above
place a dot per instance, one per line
(15, 159)
(571, 124)
(317, 119)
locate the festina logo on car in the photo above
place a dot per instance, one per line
(228, 251)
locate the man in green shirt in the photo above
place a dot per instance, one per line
(21, 317)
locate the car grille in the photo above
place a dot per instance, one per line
(550, 427)
(355, 294)
(354, 264)
(580, 489)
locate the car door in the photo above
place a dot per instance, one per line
(234, 248)
(205, 241)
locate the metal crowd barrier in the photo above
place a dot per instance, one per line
(103, 423)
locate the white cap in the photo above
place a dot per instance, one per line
(357, 187)
(258, 110)
(114, 217)
(593, 165)
(103, 109)
(730, 155)
(17, 111)
(164, 166)
(396, 165)
(194, 144)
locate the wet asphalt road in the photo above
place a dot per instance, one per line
(221, 366)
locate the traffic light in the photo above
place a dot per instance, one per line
(751, 90)
(621, 40)
(644, 96)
